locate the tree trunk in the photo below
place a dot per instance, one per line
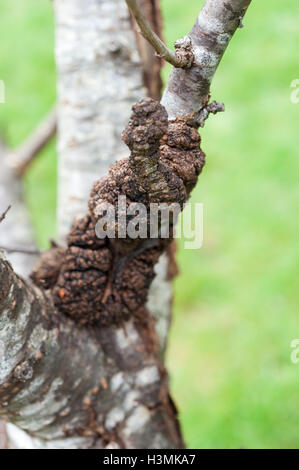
(78, 386)
(102, 71)
(71, 387)
(100, 76)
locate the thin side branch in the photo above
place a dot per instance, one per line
(2, 216)
(22, 157)
(212, 108)
(17, 230)
(183, 56)
(27, 251)
(150, 62)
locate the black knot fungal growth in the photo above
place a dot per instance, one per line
(96, 286)
(148, 123)
(105, 281)
(47, 269)
(181, 153)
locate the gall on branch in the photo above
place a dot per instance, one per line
(106, 281)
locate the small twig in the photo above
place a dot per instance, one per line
(212, 108)
(181, 58)
(20, 158)
(27, 251)
(53, 243)
(2, 216)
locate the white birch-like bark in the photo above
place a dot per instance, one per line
(100, 76)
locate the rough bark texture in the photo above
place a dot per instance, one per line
(105, 281)
(71, 387)
(16, 230)
(42, 350)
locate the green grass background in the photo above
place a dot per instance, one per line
(236, 299)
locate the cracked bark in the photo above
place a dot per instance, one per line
(42, 350)
(120, 397)
(92, 387)
(15, 229)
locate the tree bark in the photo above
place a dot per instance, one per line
(151, 64)
(110, 71)
(16, 229)
(187, 91)
(22, 157)
(71, 387)
(99, 78)
(91, 387)
(100, 75)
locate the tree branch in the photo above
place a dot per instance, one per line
(16, 231)
(15, 249)
(103, 384)
(21, 158)
(79, 387)
(183, 56)
(150, 62)
(3, 215)
(187, 91)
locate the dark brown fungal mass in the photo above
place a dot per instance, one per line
(46, 271)
(105, 281)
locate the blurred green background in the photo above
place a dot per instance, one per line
(236, 299)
